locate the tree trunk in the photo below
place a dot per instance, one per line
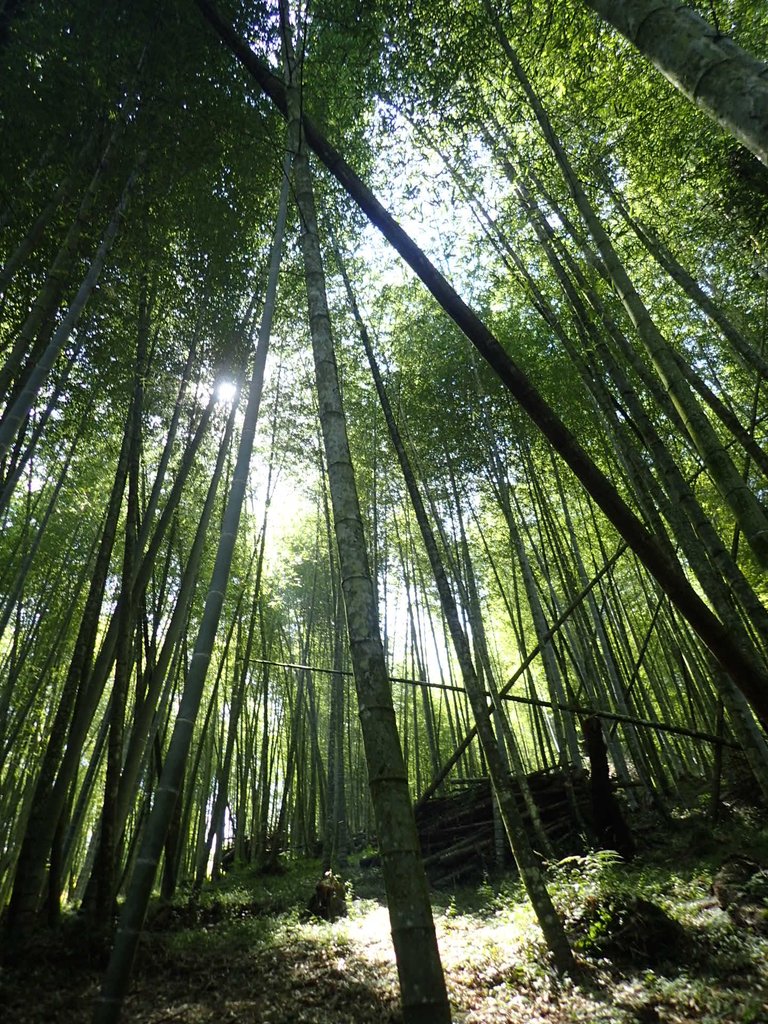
(422, 985)
(48, 799)
(110, 1000)
(106, 873)
(530, 872)
(726, 82)
(744, 505)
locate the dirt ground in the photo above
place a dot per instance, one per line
(248, 952)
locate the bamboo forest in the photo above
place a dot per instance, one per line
(384, 511)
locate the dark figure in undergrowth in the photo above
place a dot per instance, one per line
(610, 827)
(741, 888)
(329, 901)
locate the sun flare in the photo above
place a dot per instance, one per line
(226, 391)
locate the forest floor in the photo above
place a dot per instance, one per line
(651, 938)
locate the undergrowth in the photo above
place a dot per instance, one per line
(652, 944)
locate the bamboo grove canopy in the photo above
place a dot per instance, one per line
(382, 394)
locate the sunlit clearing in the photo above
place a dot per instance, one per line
(373, 932)
(226, 391)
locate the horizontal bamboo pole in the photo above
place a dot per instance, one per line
(576, 709)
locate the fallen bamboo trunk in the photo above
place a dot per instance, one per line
(457, 830)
